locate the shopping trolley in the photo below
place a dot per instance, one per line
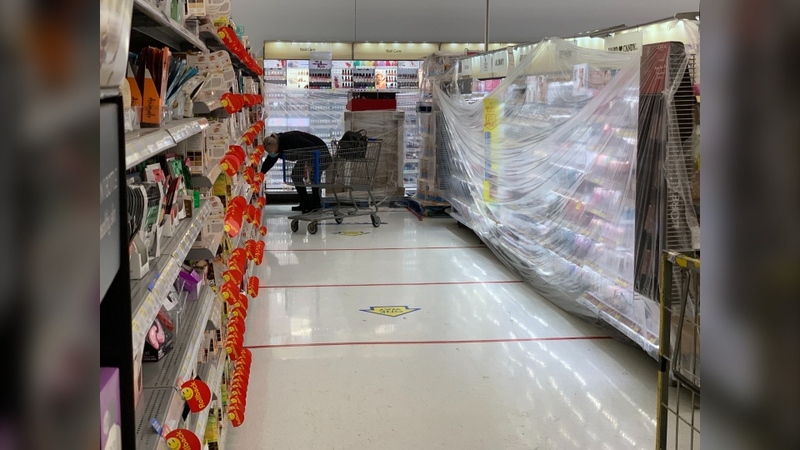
(341, 171)
(678, 419)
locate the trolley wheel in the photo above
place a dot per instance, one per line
(312, 227)
(376, 221)
(339, 219)
(295, 225)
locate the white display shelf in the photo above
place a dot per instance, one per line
(212, 107)
(243, 189)
(162, 404)
(206, 179)
(621, 322)
(208, 33)
(181, 362)
(160, 398)
(147, 142)
(166, 29)
(148, 293)
(206, 252)
(245, 233)
(211, 373)
(216, 315)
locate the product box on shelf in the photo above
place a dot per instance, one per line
(218, 62)
(191, 202)
(153, 112)
(194, 149)
(158, 342)
(196, 8)
(212, 429)
(110, 428)
(190, 281)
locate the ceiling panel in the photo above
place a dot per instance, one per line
(440, 20)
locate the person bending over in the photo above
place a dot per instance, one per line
(298, 146)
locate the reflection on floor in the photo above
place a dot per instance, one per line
(414, 336)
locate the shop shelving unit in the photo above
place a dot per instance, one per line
(407, 102)
(212, 41)
(145, 143)
(150, 21)
(129, 307)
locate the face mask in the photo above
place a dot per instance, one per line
(273, 155)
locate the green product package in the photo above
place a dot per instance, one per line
(187, 176)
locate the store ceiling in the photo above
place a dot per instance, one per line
(441, 20)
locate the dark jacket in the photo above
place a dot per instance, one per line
(297, 141)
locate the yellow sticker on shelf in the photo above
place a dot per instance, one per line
(491, 131)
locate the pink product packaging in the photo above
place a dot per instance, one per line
(110, 428)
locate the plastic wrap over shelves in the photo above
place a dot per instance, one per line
(544, 169)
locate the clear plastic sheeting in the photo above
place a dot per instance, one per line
(544, 169)
(323, 113)
(388, 126)
(319, 112)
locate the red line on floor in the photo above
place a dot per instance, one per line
(455, 247)
(432, 283)
(462, 341)
(419, 217)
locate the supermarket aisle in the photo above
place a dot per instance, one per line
(479, 361)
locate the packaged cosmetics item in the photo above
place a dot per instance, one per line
(110, 427)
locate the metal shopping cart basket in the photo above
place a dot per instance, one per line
(678, 422)
(341, 171)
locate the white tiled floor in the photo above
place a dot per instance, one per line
(485, 363)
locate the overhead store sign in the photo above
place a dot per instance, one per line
(520, 53)
(457, 47)
(303, 50)
(387, 51)
(500, 64)
(629, 41)
(485, 66)
(466, 66)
